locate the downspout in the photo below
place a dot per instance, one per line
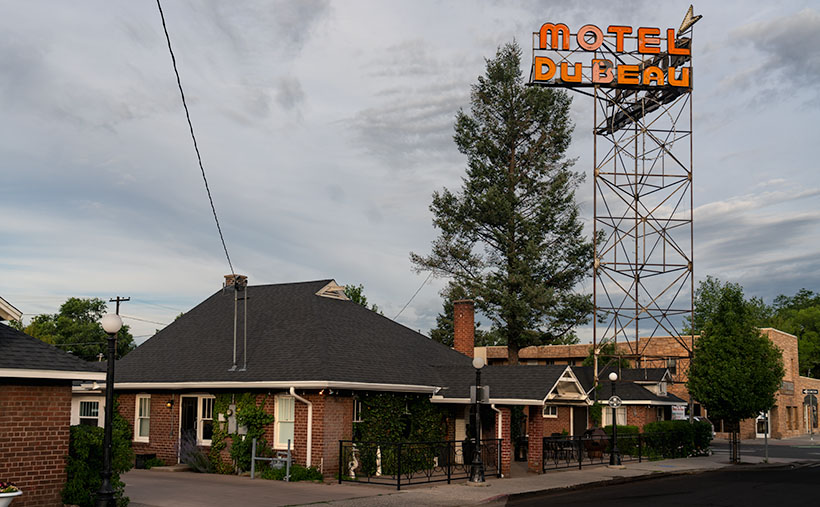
(309, 424)
(500, 421)
(498, 429)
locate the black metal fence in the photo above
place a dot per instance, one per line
(568, 452)
(403, 463)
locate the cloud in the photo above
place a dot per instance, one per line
(289, 93)
(412, 126)
(788, 60)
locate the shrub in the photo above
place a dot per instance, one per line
(85, 461)
(676, 439)
(702, 437)
(627, 439)
(153, 462)
(193, 456)
(297, 473)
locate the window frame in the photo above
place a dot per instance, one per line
(357, 410)
(199, 416)
(139, 419)
(607, 413)
(547, 410)
(277, 432)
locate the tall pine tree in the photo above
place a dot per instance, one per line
(511, 237)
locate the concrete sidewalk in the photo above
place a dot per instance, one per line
(148, 488)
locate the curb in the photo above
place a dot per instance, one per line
(596, 484)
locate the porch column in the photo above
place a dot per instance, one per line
(504, 418)
(535, 430)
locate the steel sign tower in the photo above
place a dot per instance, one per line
(641, 86)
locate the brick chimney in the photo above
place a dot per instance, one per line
(464, 326)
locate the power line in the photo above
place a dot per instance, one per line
(414, 295)
(193, 137)
(143, 320)
(143, 302)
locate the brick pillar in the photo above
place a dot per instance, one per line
(464, 326)
(535, 431)
(505, 420)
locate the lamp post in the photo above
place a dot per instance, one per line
(111, 323)
(477, 467)
(614, 402)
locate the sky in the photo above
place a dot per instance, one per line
(324, 129)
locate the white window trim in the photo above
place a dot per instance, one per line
(75, 409)
(137, 437)
(618, 411)
(199, 419)
(357, 410)
(276, 422)
(551, 408)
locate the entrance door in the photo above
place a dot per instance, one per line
(762, 425)
(579, 421)
(187, 428)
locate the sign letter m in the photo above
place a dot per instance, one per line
(555, 30)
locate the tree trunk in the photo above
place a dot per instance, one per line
(512, 355)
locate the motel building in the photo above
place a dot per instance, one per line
(308, 356)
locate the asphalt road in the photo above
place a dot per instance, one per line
(798, 450)
(742, 485)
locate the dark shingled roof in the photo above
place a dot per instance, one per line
(293, 335)
(629, 391)
(586, 375)
(518, 382)
(21, 351)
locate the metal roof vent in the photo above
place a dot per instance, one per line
(333, 291)
(239, 284)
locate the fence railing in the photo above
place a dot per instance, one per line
(404, 463)
(568, 452)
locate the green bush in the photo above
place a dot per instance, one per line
(297, 473)
(627, 439)
(677, 439)
(85, 461)
(702, 437)
(153, 462)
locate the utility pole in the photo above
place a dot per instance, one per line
(119, 300)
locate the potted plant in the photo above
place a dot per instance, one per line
(8, 492)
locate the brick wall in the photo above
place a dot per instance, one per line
(640, 415)
(34, 435)
(504, 418)
(338, 425)
(164, 425)
(558, 424)
(535, 430)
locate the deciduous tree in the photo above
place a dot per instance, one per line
(735, 371)
(76, 329)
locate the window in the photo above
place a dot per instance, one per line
(90, 413)
(142, 424)
(532, 362)
(550, 411)
(285, 417)
(357, 410)
(207, 419)
(620, 413)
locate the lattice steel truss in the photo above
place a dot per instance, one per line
(642, 135)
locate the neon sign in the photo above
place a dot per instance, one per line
(620, 57)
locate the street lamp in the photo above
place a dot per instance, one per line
(111, 323)
(477, 467)
(614, 402)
